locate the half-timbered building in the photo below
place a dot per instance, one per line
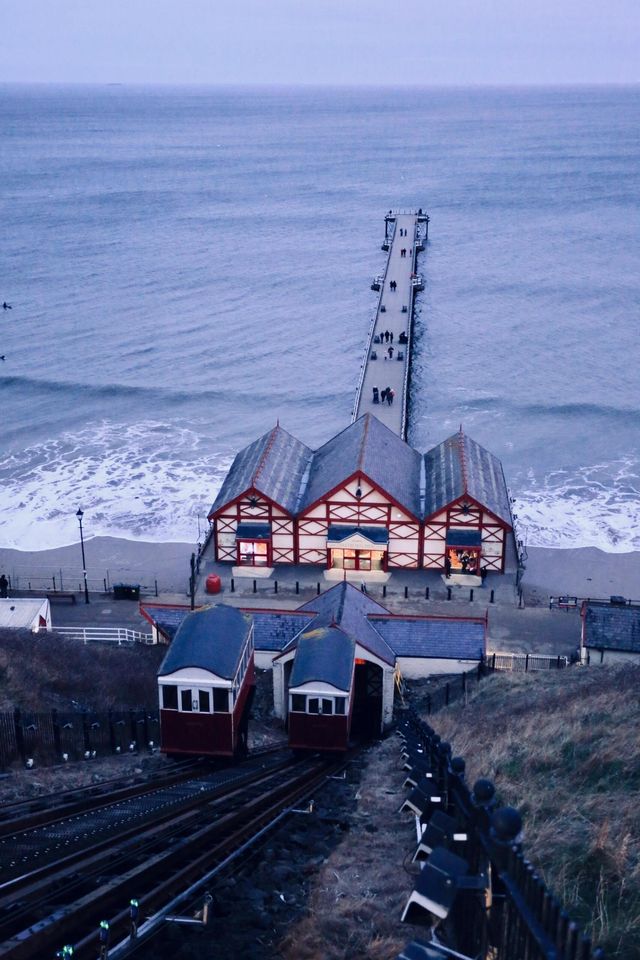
(355, 506)
(467, 515)
(360, 510)
(253, 514)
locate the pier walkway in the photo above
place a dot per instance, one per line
(387, 362)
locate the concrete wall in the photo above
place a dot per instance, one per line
(416, 667)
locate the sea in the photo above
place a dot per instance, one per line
(187, 266)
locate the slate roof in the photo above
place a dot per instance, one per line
(323, 654)
(459, 466)
(273, 631)
(274, 465)
(369, 447)
(433, 638)
(349, 608)
(612, 627)
(213, 639)
(166, 619)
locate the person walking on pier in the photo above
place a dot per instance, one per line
(4, 587)
(390, 395)
(390, 352)
(391, 336)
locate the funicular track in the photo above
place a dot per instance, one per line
(64, 901)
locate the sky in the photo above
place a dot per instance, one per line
(340, 42)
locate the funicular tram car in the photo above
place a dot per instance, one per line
(321, 691)
(206, 684)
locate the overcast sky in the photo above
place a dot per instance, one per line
(321, 41)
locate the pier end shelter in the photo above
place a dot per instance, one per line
(253, 514)
(467, 513)
(360, 510)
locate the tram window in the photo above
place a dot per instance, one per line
(340, 705)
(185, 700)
(169, 697)
(298, 703)
(205, 701)
(221, 701)
(327, 705)
(314, 705)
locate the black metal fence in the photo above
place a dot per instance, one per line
(56, 736)
(497, 907)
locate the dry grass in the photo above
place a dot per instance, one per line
(564, 748)
(359, 892)
(40, 671)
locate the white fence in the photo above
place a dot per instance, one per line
(119, 635)
(525, 661)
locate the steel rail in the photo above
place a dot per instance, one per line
(177, 864)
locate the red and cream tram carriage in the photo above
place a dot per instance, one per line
(321, 691)
(206, 684)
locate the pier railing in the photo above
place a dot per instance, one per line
(121, 636)
(410, 332)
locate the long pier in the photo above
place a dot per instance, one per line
(387, 362)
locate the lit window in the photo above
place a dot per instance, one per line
(185, 700)
(205, 701)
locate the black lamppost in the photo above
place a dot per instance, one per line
(79, 515)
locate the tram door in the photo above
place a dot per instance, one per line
(366, 718)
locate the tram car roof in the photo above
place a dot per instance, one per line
(324, 655)
(212, 639)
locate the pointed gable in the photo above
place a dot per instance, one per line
(274, 465)
(369, 447)
(349, 608)
(459, 466)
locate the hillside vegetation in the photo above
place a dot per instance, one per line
(42, 670)
(564, 748)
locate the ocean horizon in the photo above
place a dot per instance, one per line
(186, 265)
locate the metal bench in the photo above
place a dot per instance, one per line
(61, 595)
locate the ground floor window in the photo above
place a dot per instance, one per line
(254, 553)
(463, 560)
(357, 559)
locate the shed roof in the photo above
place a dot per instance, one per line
(212, 639)
(349, 608)
(435, 638)
(369, 447)
(274, 464)
(326, 655)
(167, 619)
(20, 613)
(612, 627)
(274, 630)
(460, 466)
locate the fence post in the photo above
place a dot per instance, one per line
(318, 589)
(86, 733)
(233, 585)
(492, 597)
(384, 589)
(471, 595)
(54, 584)
(426, 593)
(406, 593)
(156, 583)
(526, 663)
(558, 662)
(17, 723)
(112, 732)
(493, 665)
(448, 593)
(297, 586)
(57, 744)
(275, 586)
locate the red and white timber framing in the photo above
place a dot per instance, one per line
(465, 513)
(359, 502)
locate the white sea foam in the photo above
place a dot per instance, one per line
(154, 481)
(149, 481)
(600, 507)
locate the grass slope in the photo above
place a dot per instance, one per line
(564, 748)
(39, 671)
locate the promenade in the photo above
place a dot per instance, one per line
(387, 362)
